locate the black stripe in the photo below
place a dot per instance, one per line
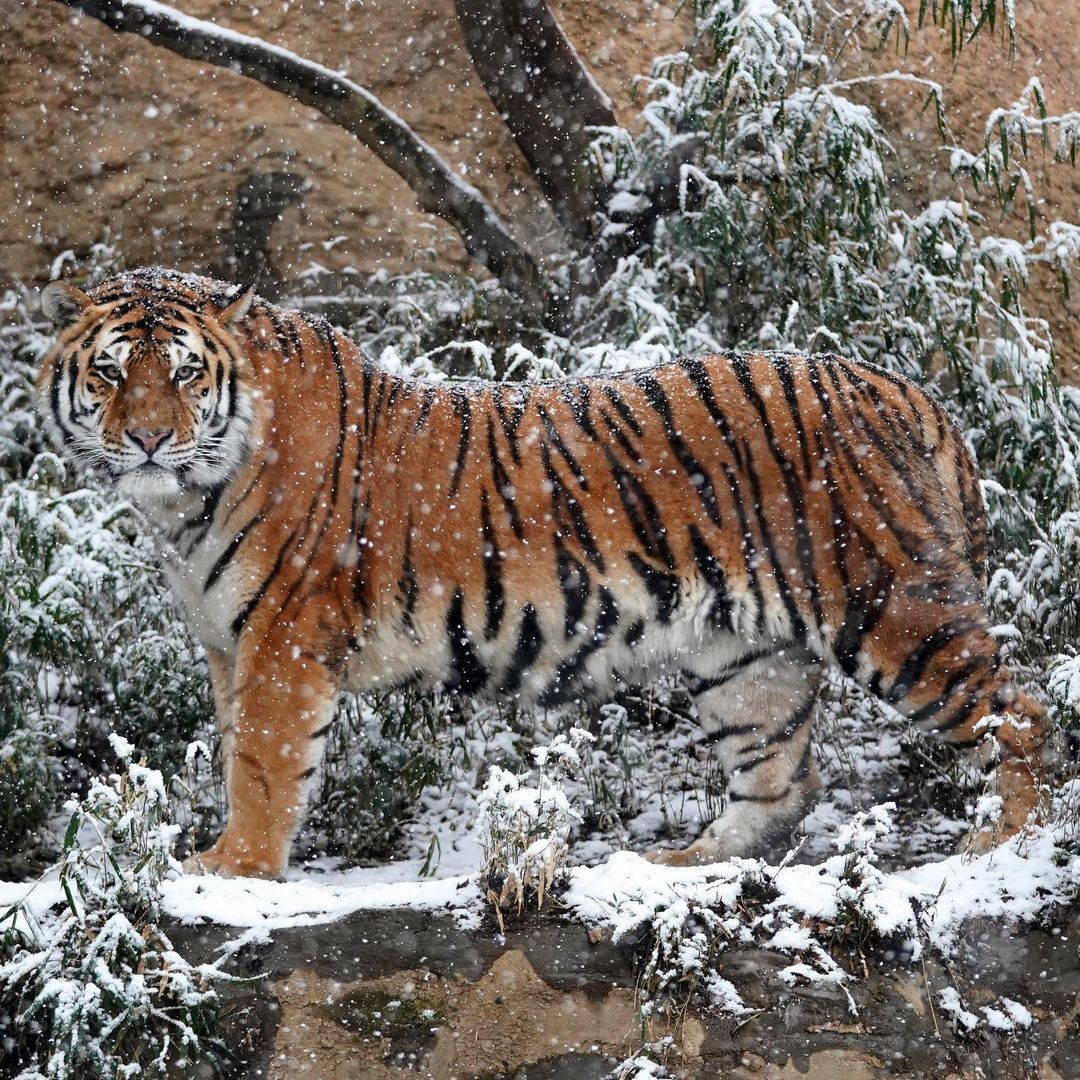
(565, 680)
(425, 407)
(627, 446)
(73, 379)
(462, 409)
(245, 612)
(502, 483)
(962, 713)
(735, 796)
(366, 376)
(494, 599)
(361, 513)
(661, 586)
(510, 421)
(226, 556)
(579, 406)
(527, 648)
(379, 400)
(910, 543)
(574, 583)
(408, 588)
(699, 378)
(641, 512)
(803, 547)
(567, 511)
(728, 731)
(624, 410)
(979, 668)
(201, 523)
(721, 612)
(467, 673)
(634, 632)
(865, 606)
(564, 451)
(696, 685)
(746, 767)
(798, 719)
(787, 382)
(920, 657)
(749, 548)
(695, 471)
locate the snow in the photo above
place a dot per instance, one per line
(244, 902)
(1014, 882)
(300, 900)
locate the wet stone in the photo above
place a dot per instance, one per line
(385, 995)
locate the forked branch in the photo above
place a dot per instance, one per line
(546, 97)
(439, 190)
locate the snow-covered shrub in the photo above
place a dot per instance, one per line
(612, 764)
(96, 989)
(681, 929)
(524, 828)
(90, 641)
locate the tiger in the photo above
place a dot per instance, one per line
(738, 520)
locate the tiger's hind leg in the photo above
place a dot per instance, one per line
(946, 676)
(757, 717)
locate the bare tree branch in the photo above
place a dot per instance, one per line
(545, 95)
(438, 188)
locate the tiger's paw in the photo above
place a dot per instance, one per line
(222, 862)
(694, 855)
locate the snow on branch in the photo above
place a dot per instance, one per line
(438, 188)
(546, 96)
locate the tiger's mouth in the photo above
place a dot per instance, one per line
(149, 480)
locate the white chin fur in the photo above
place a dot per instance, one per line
(149, 484)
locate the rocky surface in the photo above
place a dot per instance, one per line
(403, 994)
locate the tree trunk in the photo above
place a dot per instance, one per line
(546, 97)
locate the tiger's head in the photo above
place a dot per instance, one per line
(146, 380)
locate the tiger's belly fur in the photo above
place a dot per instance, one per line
(619, 642)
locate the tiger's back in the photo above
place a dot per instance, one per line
(744, 518)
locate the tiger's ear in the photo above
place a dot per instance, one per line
(63, 303)
(236, 309)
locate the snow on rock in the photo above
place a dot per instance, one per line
(245, 902)
(301, 900)
(1015, 881)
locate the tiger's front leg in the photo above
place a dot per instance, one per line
(281, 705)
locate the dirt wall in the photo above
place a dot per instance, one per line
(106, 135)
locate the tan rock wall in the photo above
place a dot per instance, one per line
(103, 134)
(982, 78)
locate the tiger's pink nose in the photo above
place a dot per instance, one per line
(149, 439)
